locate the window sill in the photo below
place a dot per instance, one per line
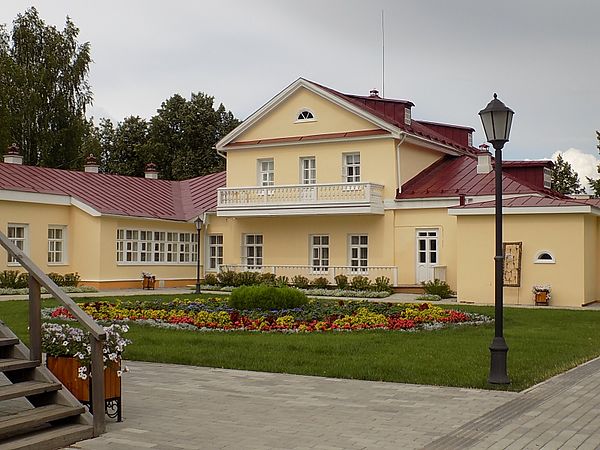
(58, 264)
(544, 261)
(162, 263)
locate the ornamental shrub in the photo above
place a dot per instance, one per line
(266, 298)
(57, 278)
(226, 278)
(320, 283)
(246, 278)
(438, 287)
(211, 279)
(8, 279)
(71, 279)
(22, 281)
(301, 282)
(360, 283)
(341, 281)
(267, 278)
(282, 281)
(429, 298)
(383, 284)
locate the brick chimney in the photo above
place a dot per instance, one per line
(13, 155)
(91, 164)
(151, 171)
(484, 160)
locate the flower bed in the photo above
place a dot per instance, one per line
(215, 314)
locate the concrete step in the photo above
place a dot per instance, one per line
(8, 364)
(27, 388)
(51, 438)
(26, 420)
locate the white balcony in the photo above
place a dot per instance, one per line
(301, 199)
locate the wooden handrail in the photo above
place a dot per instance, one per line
(38, 278)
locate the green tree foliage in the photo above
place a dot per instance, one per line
(44, 90)
(564, 178)
(595, 184)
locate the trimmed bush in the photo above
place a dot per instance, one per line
(266, 298)
(211, 279)
(301, 282)
(437, 287)
(320, 283)
(360, 283)
(341, 281)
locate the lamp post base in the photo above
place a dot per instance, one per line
(498, 351)
(197, 289)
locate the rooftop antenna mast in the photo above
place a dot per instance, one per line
(382, 56)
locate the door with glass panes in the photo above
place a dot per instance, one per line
(427, 254)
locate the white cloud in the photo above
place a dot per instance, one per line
(583, 163)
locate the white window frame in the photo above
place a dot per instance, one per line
(319, 256)
(305, 111)
(52, 243)
(308, 174)
(214, 256)
(21, 242)
(547, 178)
(407, 116)
(429, 235)
(544, 261)
(356, 260)
(266, 174)
(351, 172)
(252, 250)
(141, 247)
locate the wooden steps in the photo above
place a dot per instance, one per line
(27, 389)
(49, 439)
(51, 418)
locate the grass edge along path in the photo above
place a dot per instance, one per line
(542, 342)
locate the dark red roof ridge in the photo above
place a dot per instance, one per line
(429, 122)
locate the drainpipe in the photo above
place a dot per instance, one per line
(398, 176)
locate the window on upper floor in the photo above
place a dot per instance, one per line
(266, 172)
(351, 168)
(407, 118)
(547, 178)
(308, 170)
(57, 244)
(544, 257)
(305, 115)
(18, 234)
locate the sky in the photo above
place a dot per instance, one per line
(448, 58)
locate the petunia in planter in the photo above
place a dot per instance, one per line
(541, 294)
(68, 357)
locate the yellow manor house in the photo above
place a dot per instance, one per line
(318, 183)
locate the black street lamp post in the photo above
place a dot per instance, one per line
(198, 222)
(497, 120)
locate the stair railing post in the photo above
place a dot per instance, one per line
(97, 399)
(35, 320)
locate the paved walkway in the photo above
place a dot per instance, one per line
(179, 407)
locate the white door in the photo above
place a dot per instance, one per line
(427, 254)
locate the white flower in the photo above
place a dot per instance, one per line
(119, 373)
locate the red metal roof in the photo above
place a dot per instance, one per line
(392, 111)
(453, 176)
(528, 201)
(116, 194)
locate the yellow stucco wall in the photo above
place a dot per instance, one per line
(406, 224)
(561, 234)
(414, 159)
(281, 121)
(592, 274)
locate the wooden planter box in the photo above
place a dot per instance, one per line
(65, 368)
(541, 298)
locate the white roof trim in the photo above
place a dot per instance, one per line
(443, 202)
(301, 82)
(510, 210)
(47, 199)
(310, 141)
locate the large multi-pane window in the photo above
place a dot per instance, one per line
(56, 244)
(320, 253)
(358, 251)
(17, 234)
(351, 169)
(155, 247)
(252, 255)
(266, 172)
(308, 170)
(215, 251)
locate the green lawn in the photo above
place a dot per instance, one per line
(543, 342)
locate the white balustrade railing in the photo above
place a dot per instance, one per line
(311, 272)
(334, 193)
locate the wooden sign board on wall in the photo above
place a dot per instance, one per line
(512, 263)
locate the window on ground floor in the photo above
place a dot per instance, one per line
(57, 235)
(319, 251)
(358, 252)
(155, 247)
(215, 251)
(252, 250)
(18, 234)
